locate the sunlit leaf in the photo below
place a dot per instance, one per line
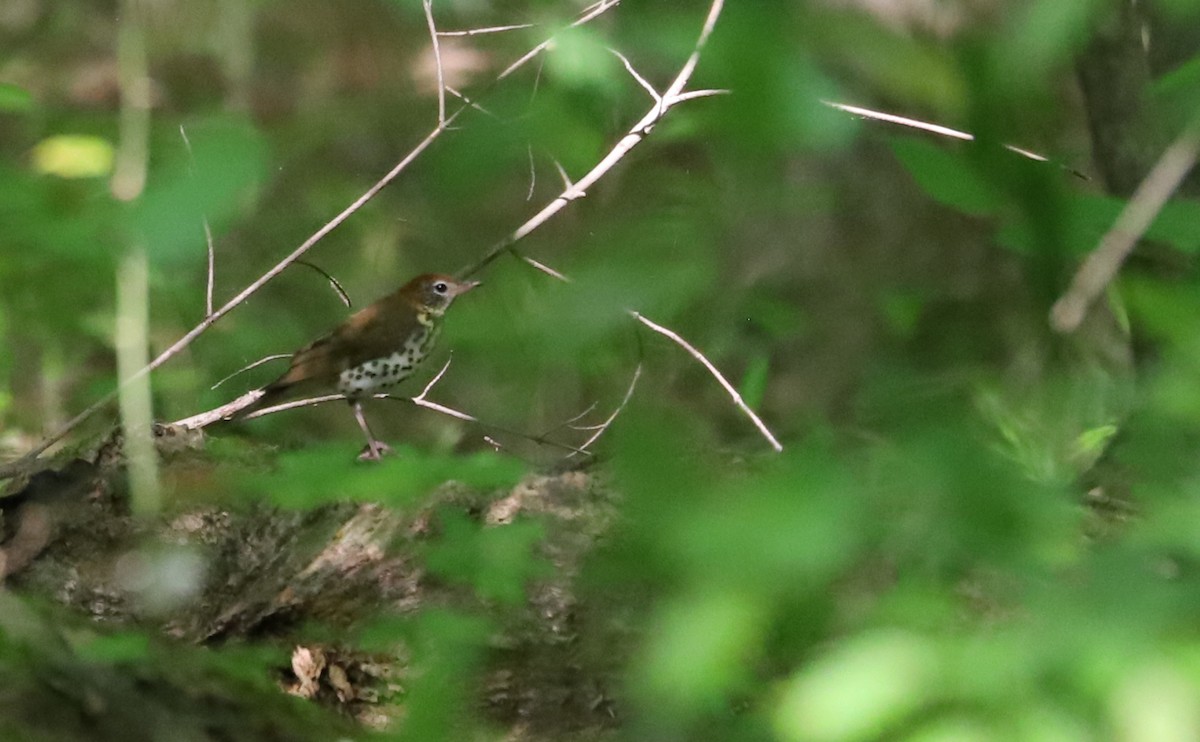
(73, 156)
(862, 689)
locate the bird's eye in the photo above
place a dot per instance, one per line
(441, 287)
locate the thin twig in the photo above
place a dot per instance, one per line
(333, 282)
(733, 393)
(420, 400)
(532, 173)
(545, 269)
(637, 76)
(588, 14)
(437, 58)
(208, 238)
(458, 94)
(212, 266)
(938, 129)
(602, 427)
(490, 29)
(637, 133)
(706, 93)
(1102, 265)
(562, 173)
(256, 364)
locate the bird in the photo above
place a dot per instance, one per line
(374, 349)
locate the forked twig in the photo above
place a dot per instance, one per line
(733, 393)
(599, 430)
(591, 13)
(437, 59)
(636, 134)
(420, 400)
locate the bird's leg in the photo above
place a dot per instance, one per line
(375, 449)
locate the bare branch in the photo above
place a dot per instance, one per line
(733, 393)
(490, 29)
(437, 58)
(637, 133)
(1139, 213)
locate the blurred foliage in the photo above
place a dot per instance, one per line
(932, 557)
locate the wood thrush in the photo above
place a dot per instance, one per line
(377, 347)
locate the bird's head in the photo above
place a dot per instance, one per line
(432, 293)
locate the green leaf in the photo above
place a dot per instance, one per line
(121, 647)
(859, 690)
(947, 177)
(14, 99)
(323, 474)
(754, 381)
(210, 180)
(497, 562)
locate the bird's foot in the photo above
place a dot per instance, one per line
(374, 451)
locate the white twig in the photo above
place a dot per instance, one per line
(944, 131)
(1102, 265)
(562, 173)
(420, 400)
(469, 102)
(733, 393)
(256, 364)
(212, 264)
(570, 422)
(490, 29)
(602, 427)
(636, 76)
(545, 269)
(637, 133)
(208, 238)
(706, 93)
(532, 173)
(437, 58)
(588, 14)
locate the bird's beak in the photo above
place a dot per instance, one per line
(466, 286)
